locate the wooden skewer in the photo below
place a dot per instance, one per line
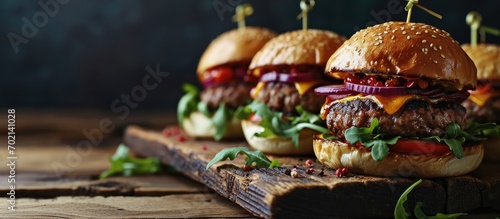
(242, 11)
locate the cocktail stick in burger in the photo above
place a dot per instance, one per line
(483, 105)
(399, 110)
(283, 116)
(222, 71)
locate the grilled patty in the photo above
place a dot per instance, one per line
(284, 97)
(417, 118)
(233, 95)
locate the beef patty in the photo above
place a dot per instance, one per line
(284, 97)
(233, 95)
(417, 118)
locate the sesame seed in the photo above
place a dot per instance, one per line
(433, 36)
(392, 37)
(418, 33)
(426, 31)
(404, 32)
(363, 40)
(435, 49)
(381, 41)
(376, 62)
(424, 41)
(408, 37)
(432, 44)
(435, 62)
(377, 43)
(394, 31)
(385, 32)
(379, 34)
(440, 48)
(388, 69)
(442, 56)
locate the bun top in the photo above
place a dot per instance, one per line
(300, 47)
(405, 49)
(486, 57)
(234, 46)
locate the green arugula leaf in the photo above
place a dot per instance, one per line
(401, 212)
(364, 134)
(275, 124)
(254, 158)
(188, 103)
(219, 121)
(380, 148)
(121, 162)
(421, 215)
(191, 102)
(455, 146)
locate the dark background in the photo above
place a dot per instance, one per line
(90, 52)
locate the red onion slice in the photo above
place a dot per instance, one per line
(332, 89)
(367, 89)
(289, 78)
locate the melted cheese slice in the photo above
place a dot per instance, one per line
(390, 104)
(480, 98)
(303, 87)
(256, 90)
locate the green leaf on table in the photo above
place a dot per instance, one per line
(123, 163)
(253, 158)
(401, 212)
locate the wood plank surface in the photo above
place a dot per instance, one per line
(207, 205)
(273, 193)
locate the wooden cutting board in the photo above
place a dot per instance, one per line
(273, 193)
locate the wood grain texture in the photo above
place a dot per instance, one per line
(271, 193)
(172, 206)
(39, 185)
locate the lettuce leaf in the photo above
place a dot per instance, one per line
(276, 124)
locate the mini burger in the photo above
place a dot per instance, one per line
(399, 110)
(284, 114)
(222, 72)
(483, 104)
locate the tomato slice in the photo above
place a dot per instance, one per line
(419, 147)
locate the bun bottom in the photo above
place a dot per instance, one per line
(492, 150)
(200, 126)
(277, 145)
(336, 154)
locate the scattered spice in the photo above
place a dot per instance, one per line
(322, 173)
(342, 172)
(247, 168)
(167, 132)
(310, 170)
(294, 173)
(204, 147)
(308, 162)
(181, 138)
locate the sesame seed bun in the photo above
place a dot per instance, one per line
(234, 46)
(300, 47)
(405, 49)
(486, 57)
(336, 154)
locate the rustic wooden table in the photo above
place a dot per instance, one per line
(57, 178)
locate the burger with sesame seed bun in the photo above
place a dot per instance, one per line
(483, 105)
(399, 110)
(284, 114)
(222, 72)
